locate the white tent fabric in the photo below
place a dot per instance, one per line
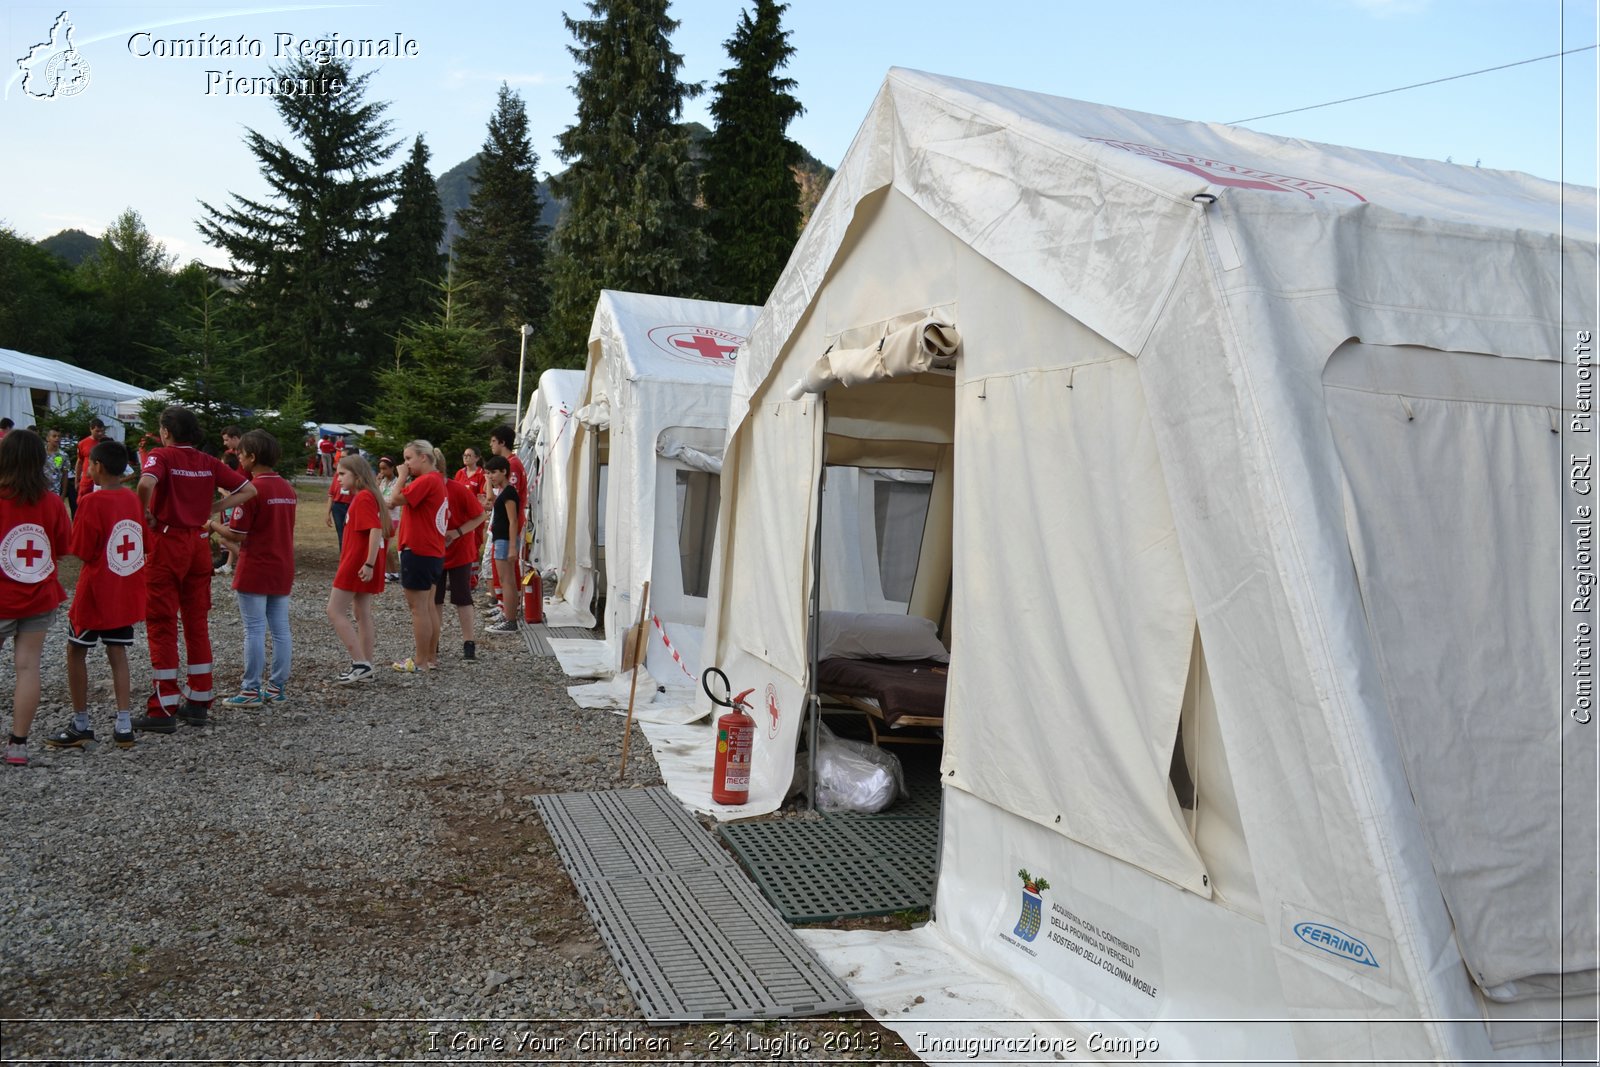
(1175, 493)
(548, 430)
(659, 371)
(64, 385)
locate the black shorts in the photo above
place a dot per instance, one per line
(419, 572)
(122, 635)
(459, 579)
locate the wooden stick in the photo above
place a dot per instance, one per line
(627, 731)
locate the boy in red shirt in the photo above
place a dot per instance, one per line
(97, 433)
(178, 487)
(264, 530)
(460, 553)
(109, 536)
(502, 441)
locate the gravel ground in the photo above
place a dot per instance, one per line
(355, 876)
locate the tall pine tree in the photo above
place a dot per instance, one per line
(410, 264)
(499, 257)
(752, 198)
(309, 251)
(632, 219)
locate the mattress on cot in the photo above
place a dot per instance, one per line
(900, 687)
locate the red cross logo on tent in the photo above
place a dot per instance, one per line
(125, 548)
(25, 554)
(708, 347)
(702, 345)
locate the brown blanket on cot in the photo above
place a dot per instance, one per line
(901, 687)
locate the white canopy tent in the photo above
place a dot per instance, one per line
(1252, 467)
(546, 435)
(31, 384)
(651, 419)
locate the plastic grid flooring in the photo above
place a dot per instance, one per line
(846, 865)
(537, 636)
(692, 936)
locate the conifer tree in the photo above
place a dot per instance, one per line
(309, 250)
(499, 257)
(632, 219)
(752, 198)
(436, 387)
(410, 264)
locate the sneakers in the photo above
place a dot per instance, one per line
(249, 698)
(222, 571)
(391, 576)
(272, 695)
(469, 650)
(407, 666)
(156, 724)
(358, 672)
(16, 755)
(193, 715)
(504, 626)
(71, 737)
(122, 740)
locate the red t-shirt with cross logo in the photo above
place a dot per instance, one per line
(109, 536)
(464, 507)
(32, 537)
(187, 481)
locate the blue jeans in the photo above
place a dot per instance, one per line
(260, 613)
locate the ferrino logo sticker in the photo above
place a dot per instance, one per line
(1237, 175)
(1335, 942)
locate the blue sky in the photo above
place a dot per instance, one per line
(145, 133)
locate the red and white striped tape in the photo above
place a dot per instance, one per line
(665, 640)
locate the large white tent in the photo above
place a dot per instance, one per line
(1253, 469)
(32, 384)
(545, 448)
(652, 418)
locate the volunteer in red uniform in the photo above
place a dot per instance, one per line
(338, 506)
(460, 554)
(425, 512)
(178, 487)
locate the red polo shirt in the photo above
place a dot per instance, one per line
(266, 560)
(187, 481)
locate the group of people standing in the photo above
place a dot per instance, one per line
(147, 558)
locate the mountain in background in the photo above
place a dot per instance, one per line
(72, 247)
(455, 186)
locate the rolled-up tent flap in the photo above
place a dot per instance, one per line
(596, 415)
(927, 345)
(700, 459)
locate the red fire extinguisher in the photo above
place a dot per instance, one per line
(736, 737)
(532, 596)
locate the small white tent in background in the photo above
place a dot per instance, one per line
(30, 385)
(652, 417)
(1251, 466)
(548, 430)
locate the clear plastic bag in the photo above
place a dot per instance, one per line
(855, 776)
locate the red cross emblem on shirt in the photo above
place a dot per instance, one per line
(705, 346)
(29, 555)
(126, 547)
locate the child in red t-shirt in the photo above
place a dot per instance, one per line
(424, 516)
(460, 553)
(360, 573)
(264, 531)
(34, 533)
(109, 536)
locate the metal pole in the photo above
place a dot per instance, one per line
(814, 643)
(522, 361)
